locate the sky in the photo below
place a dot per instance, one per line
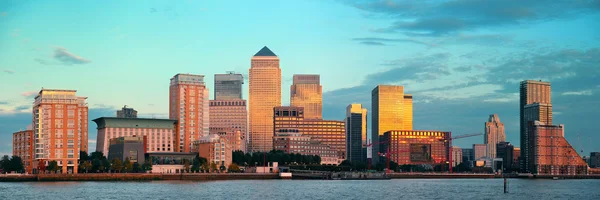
(461, 59)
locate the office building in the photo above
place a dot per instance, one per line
(126, 112)
(505, 150)
(189, 105)
(494, 134)
(516, 159)
(391, 110)
(233, 138)
(292, 141)
(329, 132)
(264, 95)
(230, 115)
(228, 86)
(170, 162)
(60, 121)
(418, 147)
(594, 160)
(356, 133)
(307, 92)
(132, 148)
(468, 156)
(479, 151)
(551, 153)
(22, 143)
(214, 149)
(457, 156)
(160, 133)
(531, 92)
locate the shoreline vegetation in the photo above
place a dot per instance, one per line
(233, 176)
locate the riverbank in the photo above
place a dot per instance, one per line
(134, 177)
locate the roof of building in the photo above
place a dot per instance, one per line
(115, 122)
(265, 51)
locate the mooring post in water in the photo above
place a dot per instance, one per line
(505, 189)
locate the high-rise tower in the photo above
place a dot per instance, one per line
(307, 92)
(391, 110)
(228, 114)
(188, 104)
(532, 92)
(228, 86)
(356, 133)
(264, 95)
(494, 134)
(60, 128)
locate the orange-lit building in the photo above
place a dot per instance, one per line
(22, 144)
(532, 92)
(189, 105)
(160, 133)
(551, 153)
(306, 91)
(264, 94)
(417, 147)
(292, 141)
(494, 134)
(60, 125)
(328, 132)
(214, 149)
(232, 137)
(391, 109)
(228, 111)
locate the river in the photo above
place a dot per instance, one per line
(529, 189)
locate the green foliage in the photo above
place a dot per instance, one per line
(127, 166)
(116, 165)
(14, 164)
(52, 166)
(205, 167)
(233, 168)
(258, 158)
(147, 166)
(85, 166)
(137, 168)
(213, 167)
(197, 163)
(186, 165)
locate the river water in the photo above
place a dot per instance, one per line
(530, 189)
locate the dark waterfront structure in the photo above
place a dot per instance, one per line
(418, 147)
(228, 86)
(505, 150)
(468, 156)
(126, 112)
(530, 92)
(356, 133)
(595, 159)
(132, 148)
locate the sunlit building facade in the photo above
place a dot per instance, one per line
(531, 92)
(233, 137)
(189, 105)
(60, 125)
(551, 153)
(328, 132)
(292, 141)
(159, 133)
(22, 144)
(479, 151)
(417, 147)
(215, 149)
(230, 116)
(494, 134)
(307, 92)
(391, 110)
(264, 95)
(456, 156)
(356, 133)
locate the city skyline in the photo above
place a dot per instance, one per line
(470, 70)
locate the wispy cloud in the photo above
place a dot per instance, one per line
(4, 102)
(21, 108)
(8, 71)
(65, 57)
(383, 41)
(29, 94)
(580, 93)
(91, 141)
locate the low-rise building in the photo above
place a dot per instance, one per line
(22, 144)
(505, 150)
(457, 156)
(479, 151)
(594, 160)
(160, 133)
(551, 152)
(233, 137)
(292, 141)
(418, 147)
(169, 162)
(214, 148)
(130, 147)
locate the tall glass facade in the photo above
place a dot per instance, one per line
(356, 133)
(307, 92)
(392, 110)
(228, 86)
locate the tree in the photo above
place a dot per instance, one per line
(41, 166)
(105, 165)
(116, 165)
(5, 164)
(186, 165)
(137, 168)
(233, 168)
(85, 166)
(147, 166)
(127, 166)
(83, 156)
(16, 164)
(213, 167)
(52, 166)
(205, 167)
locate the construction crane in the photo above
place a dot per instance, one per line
(450, 146)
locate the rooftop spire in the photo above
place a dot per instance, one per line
(265, 51)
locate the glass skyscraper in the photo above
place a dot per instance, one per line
(391, 110)
(307, 92)
(228, 86)
(356, 133)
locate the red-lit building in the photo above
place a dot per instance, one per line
(551, 153)
(417, 147)
(23, 147)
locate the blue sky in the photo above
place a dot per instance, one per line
(461, 59)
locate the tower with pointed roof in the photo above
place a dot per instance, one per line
(264, 94)
(494, 134)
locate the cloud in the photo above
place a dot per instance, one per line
(412, 69)
(91, 142)
(4, 102)
(439, 18)
(21, 108)
(462, 69)
(578, 93)
(43, 62)
(29, 94)
(382, 41)
(8, 71)
(65, 57)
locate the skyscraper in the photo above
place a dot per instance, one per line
(228, 112)
(391, 110)
(494, 134)
(228, 86)
(307, 92)
(356, 133)
(479, 151)
(531, 92)
(126, 112)
(188, 103)
(264, 95)
(60, 121)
